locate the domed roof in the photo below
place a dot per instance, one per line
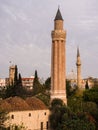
(35, 103)
(19, 104)
(4, 105)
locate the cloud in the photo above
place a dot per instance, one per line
(25, 34)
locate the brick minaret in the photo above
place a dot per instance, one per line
(78, 64)
(58, 78)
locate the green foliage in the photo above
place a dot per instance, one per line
(10, 91)
(15, 76)
(3, 118)
(45, 98)
(2, 93)
(36, 75)
(75, 104)
(56, 103)
(48, 83)
(37, 86)
(91, 95)
(20, 80)
(63, 118)
(86, 85)
(78, 121)
(15, 89)
(70, 92)
(15, 127)
(57, 113)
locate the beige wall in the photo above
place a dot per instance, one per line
(32, 122)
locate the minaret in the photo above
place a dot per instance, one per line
(78, 64)
(58, 78)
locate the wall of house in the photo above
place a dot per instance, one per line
(32, 120)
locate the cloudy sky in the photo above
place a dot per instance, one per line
(25, 35)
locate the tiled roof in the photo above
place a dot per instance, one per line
(19, 104)
(35, 103)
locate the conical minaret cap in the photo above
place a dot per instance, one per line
(58, 15)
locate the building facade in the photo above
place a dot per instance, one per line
(27, 83)
(30, 114)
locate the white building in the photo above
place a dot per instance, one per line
(2, 83)
(28, 83)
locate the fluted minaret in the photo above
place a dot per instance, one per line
(58, 78)
(78, 64)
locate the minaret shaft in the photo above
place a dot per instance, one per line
(79, 76)
(78, 64)
(58, 68)
(58, 77)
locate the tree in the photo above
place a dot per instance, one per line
(69, 90)
(63, 118)
(3, 118)
(20, 80)
(15, 76)
(86, 85)
(80, 121)
(56, 113)
(37, 87)
(91, 95)
(16, 89)
(48, 83)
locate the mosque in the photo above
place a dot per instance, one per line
(31, 113)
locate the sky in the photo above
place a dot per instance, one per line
(25, 35)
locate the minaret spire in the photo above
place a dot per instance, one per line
(58, 61)
(78, 52)
(58, 15)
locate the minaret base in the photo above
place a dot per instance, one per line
(59, 95)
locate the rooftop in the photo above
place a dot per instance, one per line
(19, 104)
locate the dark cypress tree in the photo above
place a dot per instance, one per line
(86, 85)
(20, 80)
(16, 88)
(37, 87)
(36, 75)
(16, 76)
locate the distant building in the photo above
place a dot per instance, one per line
(72, 77)
(31, 113)
(12, 71)
(28, 83)
(2, 83)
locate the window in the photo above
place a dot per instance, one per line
(12, 116)
(45, 113)
(41, 125)
(47, 125)
(29, 114)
